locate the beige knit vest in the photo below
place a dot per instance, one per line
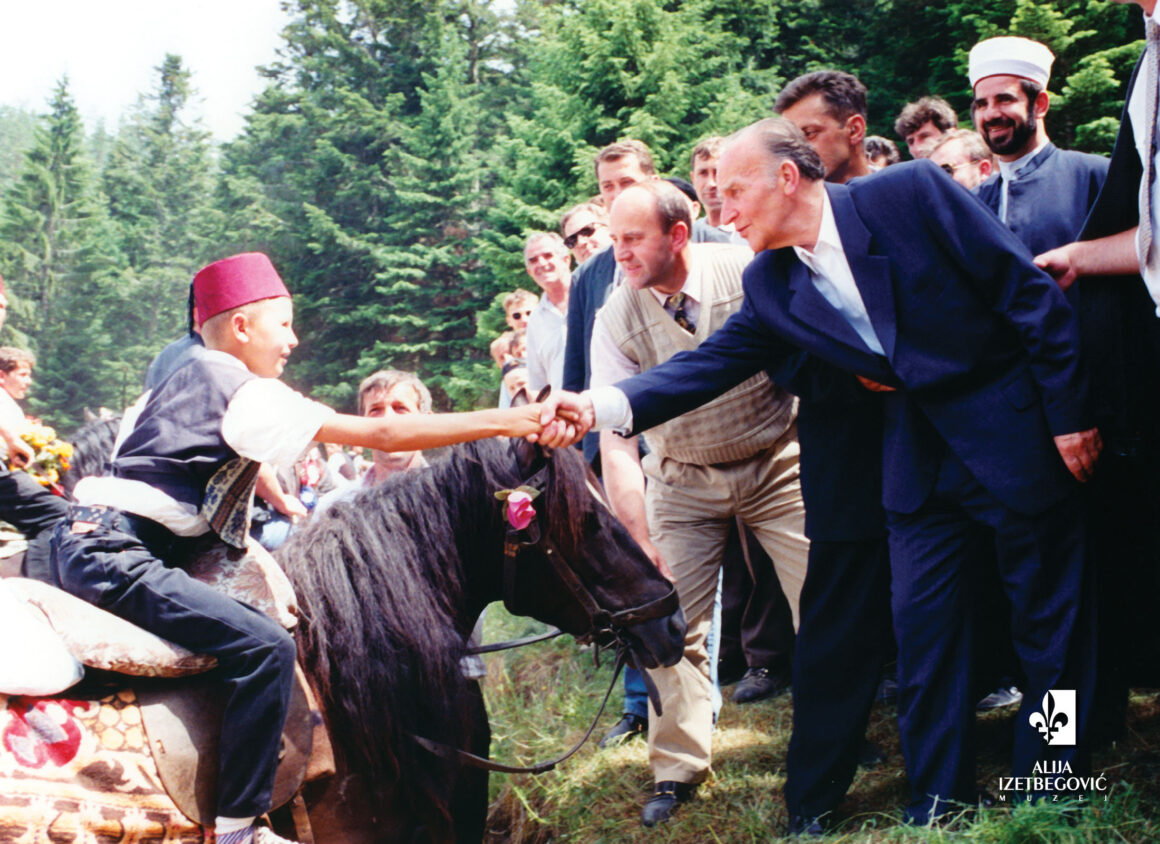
(734, 426)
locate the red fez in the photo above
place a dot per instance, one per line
(233, 282)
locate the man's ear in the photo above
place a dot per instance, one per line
(1042, 103)
(793, 177)
(856, 128)
(986, 167)
(679, 235)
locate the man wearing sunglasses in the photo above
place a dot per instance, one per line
(964, 156)
(585, 230)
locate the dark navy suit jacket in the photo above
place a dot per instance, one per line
(981, 343)
(1119, 314)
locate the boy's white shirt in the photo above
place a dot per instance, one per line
(265, 421)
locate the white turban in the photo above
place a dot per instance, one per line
(1011, 56)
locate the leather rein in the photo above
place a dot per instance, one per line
(604, 631)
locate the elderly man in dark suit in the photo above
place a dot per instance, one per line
(909, 282)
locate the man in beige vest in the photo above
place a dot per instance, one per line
(736, 456)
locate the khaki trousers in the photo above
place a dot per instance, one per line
(690, 511)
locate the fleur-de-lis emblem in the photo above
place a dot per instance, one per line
(1050, 721)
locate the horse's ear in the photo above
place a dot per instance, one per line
(89, 415)
(520, 398)
(544, 393)
(529, 456)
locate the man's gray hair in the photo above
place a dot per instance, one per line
(386, 380)
(598, 212)
(556, 240)
(784, 141)
(974, 146)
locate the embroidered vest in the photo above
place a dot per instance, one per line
(177, 445)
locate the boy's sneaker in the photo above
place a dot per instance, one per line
(264, 835)
(1001, 697)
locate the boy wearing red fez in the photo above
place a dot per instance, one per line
(186, 466)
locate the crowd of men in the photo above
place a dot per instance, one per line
(912, 409)
(904, 396)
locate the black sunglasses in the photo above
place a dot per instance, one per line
(587, 231)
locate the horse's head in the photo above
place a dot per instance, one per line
(573, 564)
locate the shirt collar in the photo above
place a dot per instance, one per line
(226, 357)
(1009, 170)
(692, 286)
(828, 237)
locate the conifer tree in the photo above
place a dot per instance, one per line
(159, 183)
(61, 265)
(368, 154)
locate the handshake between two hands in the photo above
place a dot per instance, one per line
(564, 419)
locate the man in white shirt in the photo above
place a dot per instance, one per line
(1122, 251)
(547, 261)
(24, 503)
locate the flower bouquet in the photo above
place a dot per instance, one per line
(50, 455)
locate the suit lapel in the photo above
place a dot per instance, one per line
(809, 306)
(871, 272)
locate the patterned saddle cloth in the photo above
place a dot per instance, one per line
(179, 723)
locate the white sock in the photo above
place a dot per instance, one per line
(233, 830)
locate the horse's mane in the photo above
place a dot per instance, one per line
(92, 450)
(381, 582)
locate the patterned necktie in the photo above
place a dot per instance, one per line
(676, 302)
(1151, 69)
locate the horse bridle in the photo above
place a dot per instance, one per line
(604, 631)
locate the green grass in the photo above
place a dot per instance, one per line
(542, 698)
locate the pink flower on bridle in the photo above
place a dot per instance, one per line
(518, 509)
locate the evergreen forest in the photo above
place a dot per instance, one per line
(401, 151)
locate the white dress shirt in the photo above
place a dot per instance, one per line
(1138, 114)
(547, 336)
(830, 272)
(13, 418)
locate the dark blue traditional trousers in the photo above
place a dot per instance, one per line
(118, 565)
(32, 509)
(1041, 564)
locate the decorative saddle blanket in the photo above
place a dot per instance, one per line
(114, 769)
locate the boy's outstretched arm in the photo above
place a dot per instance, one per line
(417, 431)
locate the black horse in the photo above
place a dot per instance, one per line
(391, 584)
